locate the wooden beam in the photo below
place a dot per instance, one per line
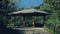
(44, 19)
(14, 20)
(23, 17)
(33, 21)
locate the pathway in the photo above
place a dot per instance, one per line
(32, 30)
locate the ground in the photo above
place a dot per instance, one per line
(32, 30)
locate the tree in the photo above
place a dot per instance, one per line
(53, 7)
(5, 8)
(3, 11)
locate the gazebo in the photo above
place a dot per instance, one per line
(30, 13)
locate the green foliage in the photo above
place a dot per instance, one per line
(53, 7)
(6, 6)
(3, 12)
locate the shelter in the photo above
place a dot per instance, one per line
(29, 12)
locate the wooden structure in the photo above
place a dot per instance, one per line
(29, 12)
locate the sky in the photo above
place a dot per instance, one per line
(28, 3)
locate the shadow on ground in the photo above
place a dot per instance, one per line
(4, 30)
(8, 31)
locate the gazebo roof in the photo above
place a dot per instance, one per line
(28, 11)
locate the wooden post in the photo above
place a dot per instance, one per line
(14, 21)
(44, 20)
(33, 21)
(23, 20)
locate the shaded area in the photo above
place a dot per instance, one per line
(5, 30)
(8, 31)
(38, 25)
